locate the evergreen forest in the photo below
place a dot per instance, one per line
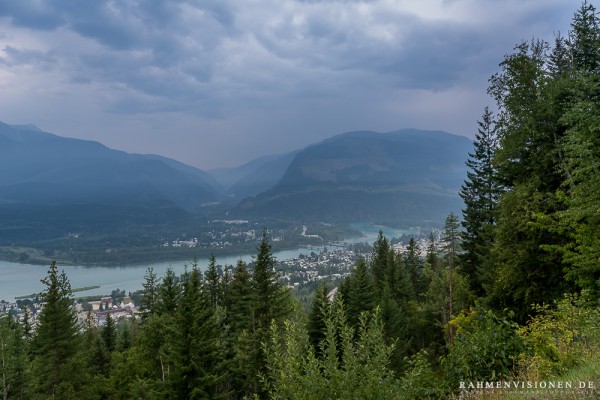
(509, 292)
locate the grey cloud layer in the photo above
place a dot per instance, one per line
(247, 61)
(188, 51)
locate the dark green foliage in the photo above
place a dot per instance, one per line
(212, 282)
(396, 322)
(480, 193)
(196, 343)
(270, 302)
(168, 294)
(109, 333)
(486, 347)
(348, 369)
(585, 39)
(379, 261)
(525, 267)
(525, 273)
(15, 377)
(451, 241)
(581, 190)
(239, 300)
(149, 302)
(361, 292)
(316, 318)
(56, 342)
(431, 255)
(414, 266)
(271, 299)
(399, 278)
(124, 339)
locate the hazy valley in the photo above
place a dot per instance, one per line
(81, 202)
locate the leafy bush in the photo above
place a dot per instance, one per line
(486, 347)
(560, 338)
(420, 380)
(348, 369)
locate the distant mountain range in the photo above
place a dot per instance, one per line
(41, 168)
(358, 176)
(253, 177)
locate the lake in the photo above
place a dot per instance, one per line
(25, 279)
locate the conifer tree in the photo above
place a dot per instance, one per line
(150, 295)
(211, 281)
(380, 261)
(361, 293)
(524, 268)
(414, 266)
(56, 340)
(398, 279)
(239, 300)
(584, 39)
(109, 333)
(581, 190)
(480, 193)
(316, 317)
(15, 378)
(395, 319)
(272, 299)
(271, 303)
(431, 255)
(196, 342)
(168, 294)
(124, 340)
(354, 364)
(27, 323)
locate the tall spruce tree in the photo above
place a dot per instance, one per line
(150, 295)
(272, 300)
(316, 317)
(361, 295)
(169, 292)
(380, 261)
(212, 281)
(480, 193)
(196, 341)
(239, 300)
(271, 304)
(56, 340)
(414, 266)
(109, 333)
(584, 39)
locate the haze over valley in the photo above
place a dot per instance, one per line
(62, 197)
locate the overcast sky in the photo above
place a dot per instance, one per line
(216, 83)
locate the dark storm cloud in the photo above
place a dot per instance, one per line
(34, 15)
(165, 48)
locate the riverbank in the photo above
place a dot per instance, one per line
(123, 253)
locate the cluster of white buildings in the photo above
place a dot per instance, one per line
(182, 243)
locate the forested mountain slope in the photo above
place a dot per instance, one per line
(407, 175)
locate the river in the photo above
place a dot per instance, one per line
(25, 279)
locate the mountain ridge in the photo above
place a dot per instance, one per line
(400, 175)
(372, 175)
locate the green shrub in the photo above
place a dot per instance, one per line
(560, 338)
(486, 347)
